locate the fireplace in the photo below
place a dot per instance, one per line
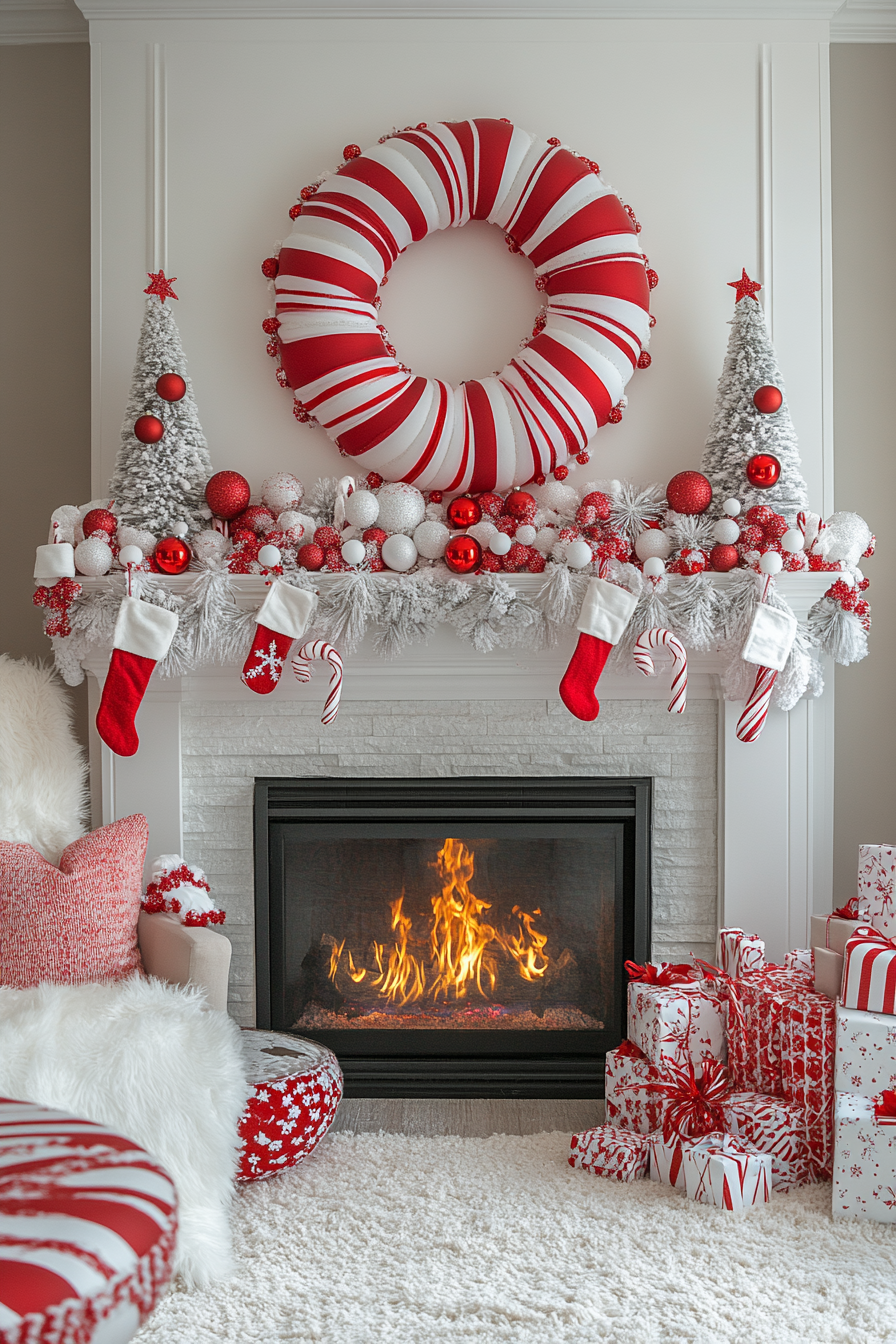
(453, 937)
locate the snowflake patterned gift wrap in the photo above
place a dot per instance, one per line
(676, 1022)
(627, 1107)
(297, 1087)
(740, 953)
(727, 1172)
(865, 1053)
(807, 1070)
(776, 1127)
(864, 1161)
(877, 870)
(607, 1151)
(869, 972)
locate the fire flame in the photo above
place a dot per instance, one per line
(462, 945)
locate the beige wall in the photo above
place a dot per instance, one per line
(45, 368)
(863, 115)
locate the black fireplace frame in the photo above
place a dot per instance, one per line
(573, 1066)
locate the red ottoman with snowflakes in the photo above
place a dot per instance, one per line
(87, 1229)
(298, 1085)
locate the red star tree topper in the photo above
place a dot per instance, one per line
(746, 288)
(161, 286)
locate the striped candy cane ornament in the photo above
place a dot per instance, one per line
(752, 720)
(660, 638)
(301, 666)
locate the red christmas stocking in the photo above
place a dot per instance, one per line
(143, 635)
(281, 618)
(605, 613)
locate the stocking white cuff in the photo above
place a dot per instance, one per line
(286, 610)
(143, 629)
(771, 638)
(606, 610)
(55, 562)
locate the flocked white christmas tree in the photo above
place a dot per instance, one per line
(156, 485)
(739, 430)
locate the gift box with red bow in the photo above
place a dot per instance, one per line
(865, 1157)
(628, 1105)
(876, 894)
(800, 959)
(865, 1053)
(675, 1019)
(869, 972)
(831, 931)
(727, 1172)
(740, 953)
(606, 1151)
(776, 1127)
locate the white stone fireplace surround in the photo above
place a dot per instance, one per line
(741, 833)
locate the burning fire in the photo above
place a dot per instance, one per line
(463, 946)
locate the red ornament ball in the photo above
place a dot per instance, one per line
(310, 556)
(492, 504)
(463, 555)
(255, 519)
(520, 504)
(689, 492)
(148, 428)
(723, 558)
(464, 512)
(374, 480)
(172, 555)
(171, 387)
(644, 360)
(763, 471)
(227, 494)
(326, 536)
(99, 520)
(768, 399)
(615, 416)
(561, 473)
(270, 268)
(351, 151)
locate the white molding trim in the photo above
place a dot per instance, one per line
(766, 211)
(865, 21)
(156, 158)
(27, 22)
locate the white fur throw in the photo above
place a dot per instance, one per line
(150, 1060)
(43, 773)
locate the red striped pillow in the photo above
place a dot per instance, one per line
(77, 922)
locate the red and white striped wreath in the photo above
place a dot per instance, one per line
(490, 433)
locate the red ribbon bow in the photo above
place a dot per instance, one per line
(885, 1108)
(678, 973)
(694, 1104)
(868, 935)
(848, 911)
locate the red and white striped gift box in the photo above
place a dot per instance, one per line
(869, 972)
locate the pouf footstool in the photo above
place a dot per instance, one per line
(88, 1222)
(297, 1086)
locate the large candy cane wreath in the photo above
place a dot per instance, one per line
(548, 402)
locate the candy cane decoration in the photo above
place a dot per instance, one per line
(752, 720)
(301, 666)
(659, 638)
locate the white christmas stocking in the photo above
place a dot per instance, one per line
(606, 611)
(143, 635)
(768, 647)
(281, 618)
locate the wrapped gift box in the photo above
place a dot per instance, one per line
(806, 1038)
(864, 1161)
(829, 931)
(676, 1022)
(606, 1151)
(800, 959)
(754, 1047)
(627, 1108)
(776, 1127)
(869, 972)
(666, 1160)
(865, 1052)
(877, 870)
(727, 1172)
(740, 953)
(828, 972)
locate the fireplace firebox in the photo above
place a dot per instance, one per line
(453, 937)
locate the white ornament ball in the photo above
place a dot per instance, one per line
(792, 540)
(500, 543)
(845, 538)
(546, 539)
(563, 499)
(402, 507)
(180, 529)
(483, 532)
(93, 557)
(362, 509)
(293, 523)
(269, 556)
(654, 567)
(210, 545)
(130, 555)
(137, 536)
(399, 552)
(732, 507)
(353, 551)
(726, 531)
(526, 534)
(282, 491)
(653, 541)
(431, 538)
(771, 563)
(578, 554)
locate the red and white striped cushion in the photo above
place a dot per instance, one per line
(87, 1229)
(76, 923)
(298, 1086)
(549, 401)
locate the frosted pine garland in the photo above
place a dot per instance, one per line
(159, 484)
(738, 430)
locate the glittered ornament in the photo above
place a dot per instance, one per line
(689, 492)
(399, 552)
(464, 512)
(99, 520)
(282, 491)
(137, 536)
(557, 496)
(431, 537)
(310, 556)
(491, 504)
(171, 387)
(362, 508)
(463, 554)
(768, 399)
(763, 471)
(93, 557)
(172, 555)
(227, 494)
(520, 504)
(526, 534)
(293, 523)
(148, 428)
(210, 545)
(653, 541)
(326, 536)
(723, 557)
(402, 507)
(255, 519)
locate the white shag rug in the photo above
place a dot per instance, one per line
(419, 1240)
